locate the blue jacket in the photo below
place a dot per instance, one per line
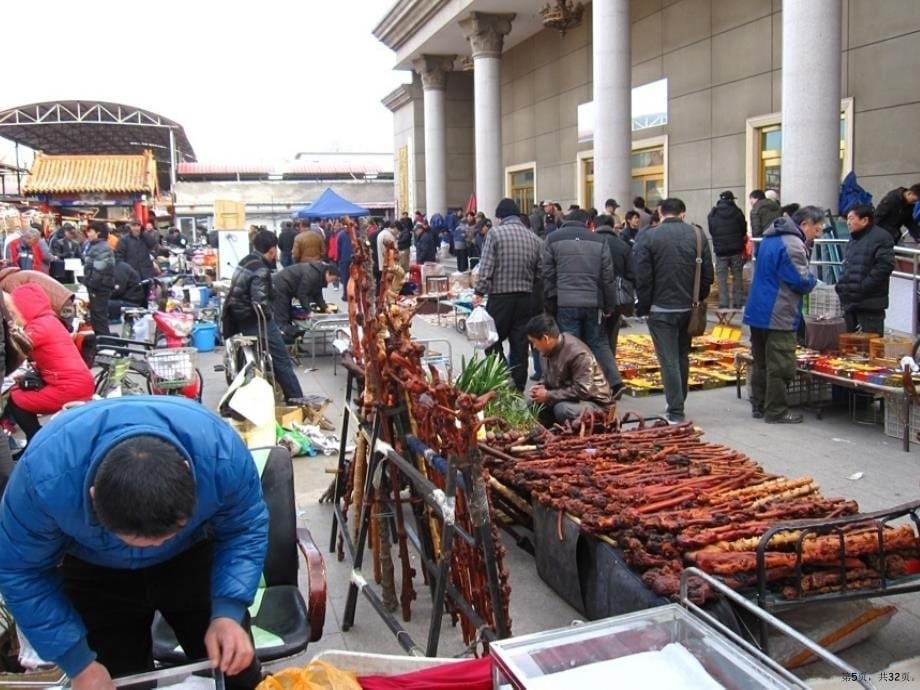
(781, 277)
(47, 513)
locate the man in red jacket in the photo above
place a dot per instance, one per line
(30, 252)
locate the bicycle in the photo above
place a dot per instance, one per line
(133, 367)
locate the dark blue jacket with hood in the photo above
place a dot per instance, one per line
(781, 277)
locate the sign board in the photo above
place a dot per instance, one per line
(229, 215)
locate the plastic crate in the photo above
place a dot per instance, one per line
(172, 368)
(894, 417)
(803, 389)
(822, 302)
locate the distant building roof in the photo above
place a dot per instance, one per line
(92, 174)
(356, 167)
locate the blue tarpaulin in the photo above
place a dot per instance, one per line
(331, 205)
(851, 194)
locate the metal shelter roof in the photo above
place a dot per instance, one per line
(94, 127)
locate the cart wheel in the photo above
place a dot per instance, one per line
(461, 325)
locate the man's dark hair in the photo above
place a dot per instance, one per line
(557, 206)
(542, 324)
(862, 211)
(100, 228)
(330, 267)
(672, 206)
(757, 194)
(915, 188)
(264, 241)
(790, 209)
(604, 220)
(577, 215)
(144, 488)
(632, 214)
(639, 202)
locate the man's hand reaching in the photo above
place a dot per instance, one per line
(228, 645)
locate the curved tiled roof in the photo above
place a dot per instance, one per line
(92, 174)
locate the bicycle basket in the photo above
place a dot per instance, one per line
(172, 368)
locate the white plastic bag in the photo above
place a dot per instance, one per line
(480, 328)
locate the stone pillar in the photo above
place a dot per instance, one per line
(612, 98)
(811, 102)
(433, 70)
(486, 33)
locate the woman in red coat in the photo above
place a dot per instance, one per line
(54, 356)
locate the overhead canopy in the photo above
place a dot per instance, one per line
(331, 205)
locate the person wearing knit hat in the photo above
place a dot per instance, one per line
(511, 274)
(507, 207)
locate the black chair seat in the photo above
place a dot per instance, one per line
(282, 614)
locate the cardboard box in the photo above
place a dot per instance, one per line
(255, 436)
(288, 414)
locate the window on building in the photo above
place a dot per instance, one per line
(648, 173)
(521, 187)
(765, 148)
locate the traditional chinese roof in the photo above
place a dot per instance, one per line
(92, 174)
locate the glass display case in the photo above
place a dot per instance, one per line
(660, 647)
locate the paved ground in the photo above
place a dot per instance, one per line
(832, 450)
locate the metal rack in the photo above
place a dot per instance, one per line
(836, 526)
(428, 501)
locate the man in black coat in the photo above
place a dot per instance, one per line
(728, 230)
(251, 289)
(426, 247)
(127, 290)
(578, 277)
(896, 210)
(305, 281)
(286, 243)
(134, 247)
(863, 287)
(621, 254)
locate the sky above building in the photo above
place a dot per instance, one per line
(255, 81)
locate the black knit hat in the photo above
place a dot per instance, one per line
(507, 207)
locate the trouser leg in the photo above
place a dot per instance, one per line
(663, 329)
(6, 462)
(595, 335)
(683, 351)
(758, 368)
(180, 589)
(282, 364)
(612, 326)
(517, 341)
(114, 608)
(737, 266)
(25, 420)
(780, 365)
(722, 279)
(501, 309)
(871, 320)
(567, 409)
(463, 260)
(99, 311)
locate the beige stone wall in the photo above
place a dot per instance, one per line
(723, 60)
(409, 130)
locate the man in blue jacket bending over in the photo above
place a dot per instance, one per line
(122, 508)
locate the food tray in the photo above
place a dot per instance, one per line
(172, 368)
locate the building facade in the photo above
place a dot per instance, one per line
(652, 98)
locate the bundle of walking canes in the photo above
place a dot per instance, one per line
(425, 429)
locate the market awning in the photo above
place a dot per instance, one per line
(92, 174)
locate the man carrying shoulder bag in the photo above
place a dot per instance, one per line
(665, 261)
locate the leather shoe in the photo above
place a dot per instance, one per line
(618, 391)
(757, 413)
(788, 418)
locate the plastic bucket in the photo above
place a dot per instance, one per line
(203, 336)
(204, 295)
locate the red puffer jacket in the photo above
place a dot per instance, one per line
(54, 355)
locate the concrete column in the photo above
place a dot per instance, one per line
(811, 102)
(612, 98)
(433, 70)
(486, 33)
